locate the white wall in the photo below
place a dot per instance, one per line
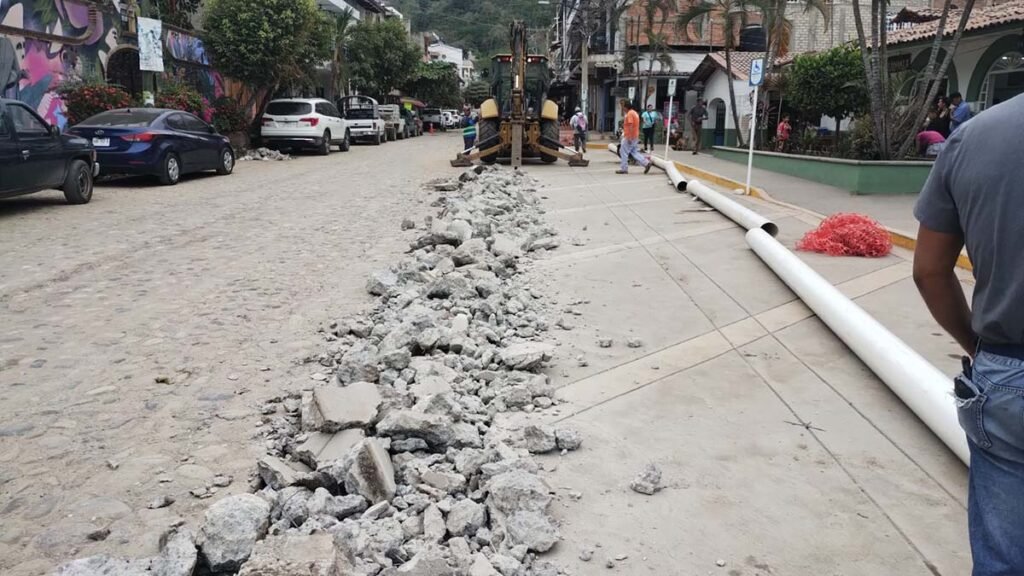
(718, 87)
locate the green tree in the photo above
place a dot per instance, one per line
(179, 12)
(830, 83)
(476, 92)
(341, 31)
(655, 25)
(267, 44)
(733, 15)
(381, 57)
(436, 83)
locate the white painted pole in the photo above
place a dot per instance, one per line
(668, 122)
(921, 386)
(753, 125)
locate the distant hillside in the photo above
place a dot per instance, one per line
(477, 25)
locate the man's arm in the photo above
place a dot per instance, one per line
(934, 263)
(962, 113)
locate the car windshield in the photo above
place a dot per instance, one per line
(126, 118)
(289, 108)
(359, 113)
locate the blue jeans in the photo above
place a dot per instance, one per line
(990, 405)
(629, 148)
(468, 142)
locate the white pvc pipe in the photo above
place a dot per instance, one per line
(732, 209)
(673, 173)
(668, 166)
(921, 386)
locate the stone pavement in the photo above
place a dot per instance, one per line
(781, 452)
(892, 211)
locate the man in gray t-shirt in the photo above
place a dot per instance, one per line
(975, 197)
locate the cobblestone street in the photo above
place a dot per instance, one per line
(141, 332)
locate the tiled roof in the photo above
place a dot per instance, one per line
(1005, 13)
(740, 62)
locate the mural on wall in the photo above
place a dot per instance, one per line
(189, 60)
(31, 69)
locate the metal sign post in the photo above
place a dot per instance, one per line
(668, 121)
(756, 79)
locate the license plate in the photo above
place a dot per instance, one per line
(288, 123)
(101, 141)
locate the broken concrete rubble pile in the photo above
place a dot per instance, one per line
(414, 460)
(265, 154)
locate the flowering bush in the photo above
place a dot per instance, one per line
(179, 96)
(84, 100)
(228, 116)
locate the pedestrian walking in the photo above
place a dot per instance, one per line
(578, 123)
(782, 134)
(972, 197)
(629, 145)
(961, 112)
(698, 114)
(647, 123)
(469, 133)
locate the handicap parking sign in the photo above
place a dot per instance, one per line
(756, 72)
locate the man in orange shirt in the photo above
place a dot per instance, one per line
(629, 145)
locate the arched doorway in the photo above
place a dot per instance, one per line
(123, 70)
(1005, 79)
(718, 124)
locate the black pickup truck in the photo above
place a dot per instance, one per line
(35, 156)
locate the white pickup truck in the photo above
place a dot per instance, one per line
(364, 120)
(394, 122)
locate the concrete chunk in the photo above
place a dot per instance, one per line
(279, 474)
(230, 530)
(370, 472)
(340, 408)
(297, 555)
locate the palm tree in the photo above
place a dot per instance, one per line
(656, 17)
(733, 15)
(343, 25)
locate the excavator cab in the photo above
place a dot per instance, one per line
(518, 121)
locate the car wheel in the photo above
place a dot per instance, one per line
(378, 139)
(170, 172)
(346, 143)
(78, 183)
(325, 146)
(227, 162)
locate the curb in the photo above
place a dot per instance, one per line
(898, 238)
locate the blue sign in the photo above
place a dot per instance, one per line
(756, 72)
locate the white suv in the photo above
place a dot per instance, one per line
(305, 123)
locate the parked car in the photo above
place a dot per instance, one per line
(305, 123)
(35, 156)
(156, 141)
(364, 120)
(413, 122)
(394, 122)
(432, 117)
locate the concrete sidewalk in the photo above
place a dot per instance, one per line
(781, 452)
(892, 211)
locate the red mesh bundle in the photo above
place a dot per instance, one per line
(848, 235)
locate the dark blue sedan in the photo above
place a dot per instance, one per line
(154, 141)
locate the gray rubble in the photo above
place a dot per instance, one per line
(408, 461)
(648, 481)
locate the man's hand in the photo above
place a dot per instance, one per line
(934, 262)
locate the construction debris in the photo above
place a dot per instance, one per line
(647, 481)
(265, 154)
(410, 461)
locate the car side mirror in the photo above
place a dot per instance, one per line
(54, 130)
(211, 129)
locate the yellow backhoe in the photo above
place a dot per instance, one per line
(518, 121)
